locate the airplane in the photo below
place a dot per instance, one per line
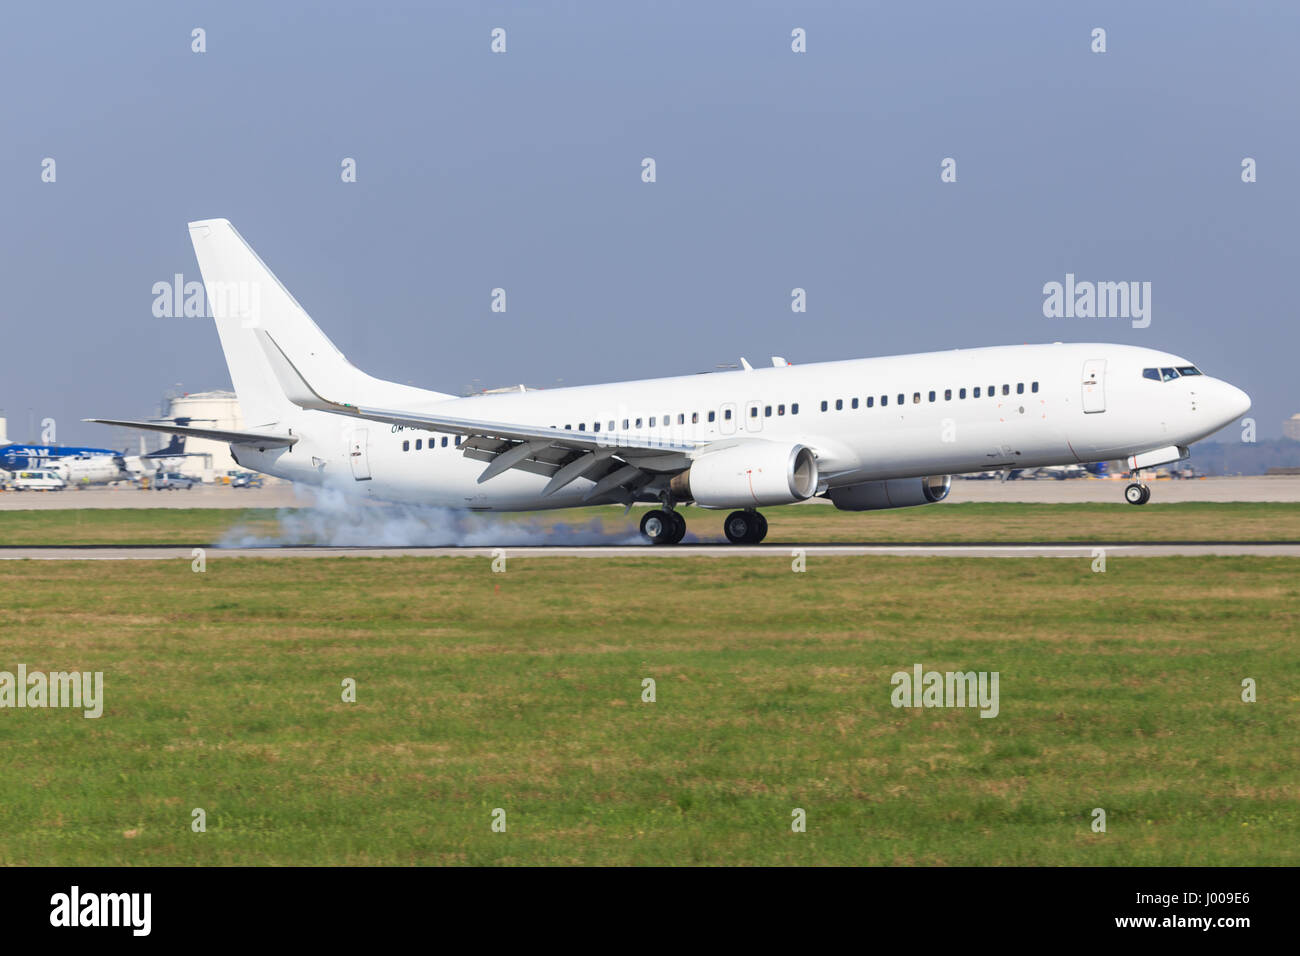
(167, 458)
(866, 434)
(100, 466)
(17, 456)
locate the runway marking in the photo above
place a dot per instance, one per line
(922, 549)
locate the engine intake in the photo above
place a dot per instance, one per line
(891, 493)
(749, 474)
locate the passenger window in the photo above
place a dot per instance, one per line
(794, 409)
(595, 426)
(582, 426)
(825, 405)
(695, 418)
(712, 415)
(727, 414)
(1020, 388)
(947, 395)
(916, 398)
(419, 443)
(444, 441)
(871, 401)
(681, 418)
(406, 446)
(976, 393)
(1034, 387)
(767, 411)
(625, 425)
(458, 438)
(854, 403)
(900, 398)
(753, 412)
(638, 423)
(652, 421)
(884, 400)
(932, 396)
(839, 404)
(1006, 389)
(961, 393)
(993, 390)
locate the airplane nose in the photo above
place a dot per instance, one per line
(1234, 401)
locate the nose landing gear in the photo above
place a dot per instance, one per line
(1137, 494)
(745, 527)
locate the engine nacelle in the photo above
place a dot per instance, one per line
(749, 474)
(891, 493)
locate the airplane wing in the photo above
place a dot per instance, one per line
(612, 459)
(262, 440)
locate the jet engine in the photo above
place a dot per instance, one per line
(891, 493)
(749, 474)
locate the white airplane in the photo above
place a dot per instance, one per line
(89, 469)
(865, 433)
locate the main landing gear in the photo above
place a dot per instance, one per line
(663, 526)
(745, 527)
(1137, 494)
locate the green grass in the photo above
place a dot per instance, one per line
(522, 691)
(950, 522)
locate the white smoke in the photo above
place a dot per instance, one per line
(331, 518)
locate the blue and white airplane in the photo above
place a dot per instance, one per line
(865, 433)
(17, 456)
(92, 466)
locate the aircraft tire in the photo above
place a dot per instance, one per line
(659, 526)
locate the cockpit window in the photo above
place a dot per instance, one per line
(1167, 375)
(1151, 373)
(1188, 370)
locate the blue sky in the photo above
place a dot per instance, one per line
(775, 170)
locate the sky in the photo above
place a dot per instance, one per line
(523, 170)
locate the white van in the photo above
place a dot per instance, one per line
(37, 481)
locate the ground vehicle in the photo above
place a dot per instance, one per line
(37, 481)
(171, 481)
(246, 479)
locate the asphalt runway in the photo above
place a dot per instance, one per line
(782, 551)
(1041, 490)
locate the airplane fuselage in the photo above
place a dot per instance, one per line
(932, 413)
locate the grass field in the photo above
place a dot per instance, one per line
(522, 691)
(806, 524)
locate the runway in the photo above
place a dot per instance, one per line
(782, 551)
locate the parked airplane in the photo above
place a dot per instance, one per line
(100, 466)
(16, 456)
(865, 433)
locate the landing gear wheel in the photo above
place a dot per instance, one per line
(1136, 494)
(1146, 494)
(679, 528)
(745, 527)
(661, 527)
